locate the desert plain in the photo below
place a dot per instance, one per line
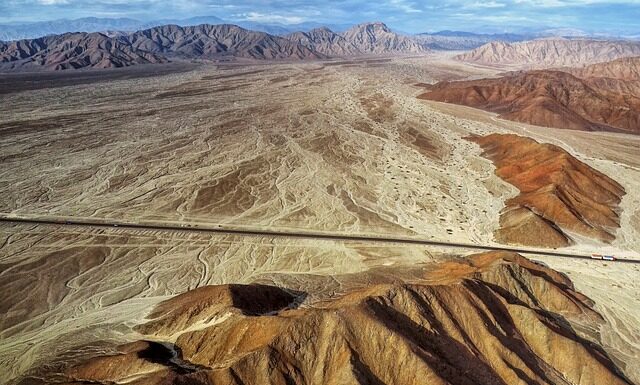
(324, 147)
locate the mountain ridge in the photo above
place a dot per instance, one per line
(551, 52)
(72, 51)
(325, 41)
(487, 319)
(550, 98)
(206, 41)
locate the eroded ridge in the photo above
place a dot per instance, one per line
(494, 318)
(559, 195)
(550, 99)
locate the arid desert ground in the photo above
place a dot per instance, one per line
(334, 147)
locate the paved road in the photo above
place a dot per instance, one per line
(100, 223)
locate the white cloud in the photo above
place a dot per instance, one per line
(270, 18)
(486, 4)
(53, 2)
(404, 6)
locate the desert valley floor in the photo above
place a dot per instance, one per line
(341, 147)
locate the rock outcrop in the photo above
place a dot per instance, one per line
(494, 318)
(559, 195)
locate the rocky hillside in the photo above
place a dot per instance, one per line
(495, 318)
(627, 69)
(377, 38)
(203, 42)
(214, 41)
(551, 99)
(559, 195)
(73, 50)
(545, 53)
(325, 41)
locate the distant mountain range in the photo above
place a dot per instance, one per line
(552, 52)
(10, 32)
(208, 42)
(447, 39)
(172, 42)
(457, 40)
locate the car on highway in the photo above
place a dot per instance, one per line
(603, 257)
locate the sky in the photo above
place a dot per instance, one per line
(413, 16)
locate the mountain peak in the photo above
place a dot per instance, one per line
(373, 25)
(376, 37)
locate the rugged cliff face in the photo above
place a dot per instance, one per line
(559, 195)
(493, 318)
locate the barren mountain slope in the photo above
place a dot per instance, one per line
(377, 38)
(620, 76)
(325, 41)
(627, 68)
(154, 45)
(73, 50)
(544, 53)
(559, 195)
(548, 98)
(495, 318)
(96, 50)
(209, 41)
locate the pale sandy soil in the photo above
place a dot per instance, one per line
(342, 148)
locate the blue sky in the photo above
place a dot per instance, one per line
(405, 15)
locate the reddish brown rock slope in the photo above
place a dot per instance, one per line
(558, 193)
(624, 69)
(548, 98)
(493, 319)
